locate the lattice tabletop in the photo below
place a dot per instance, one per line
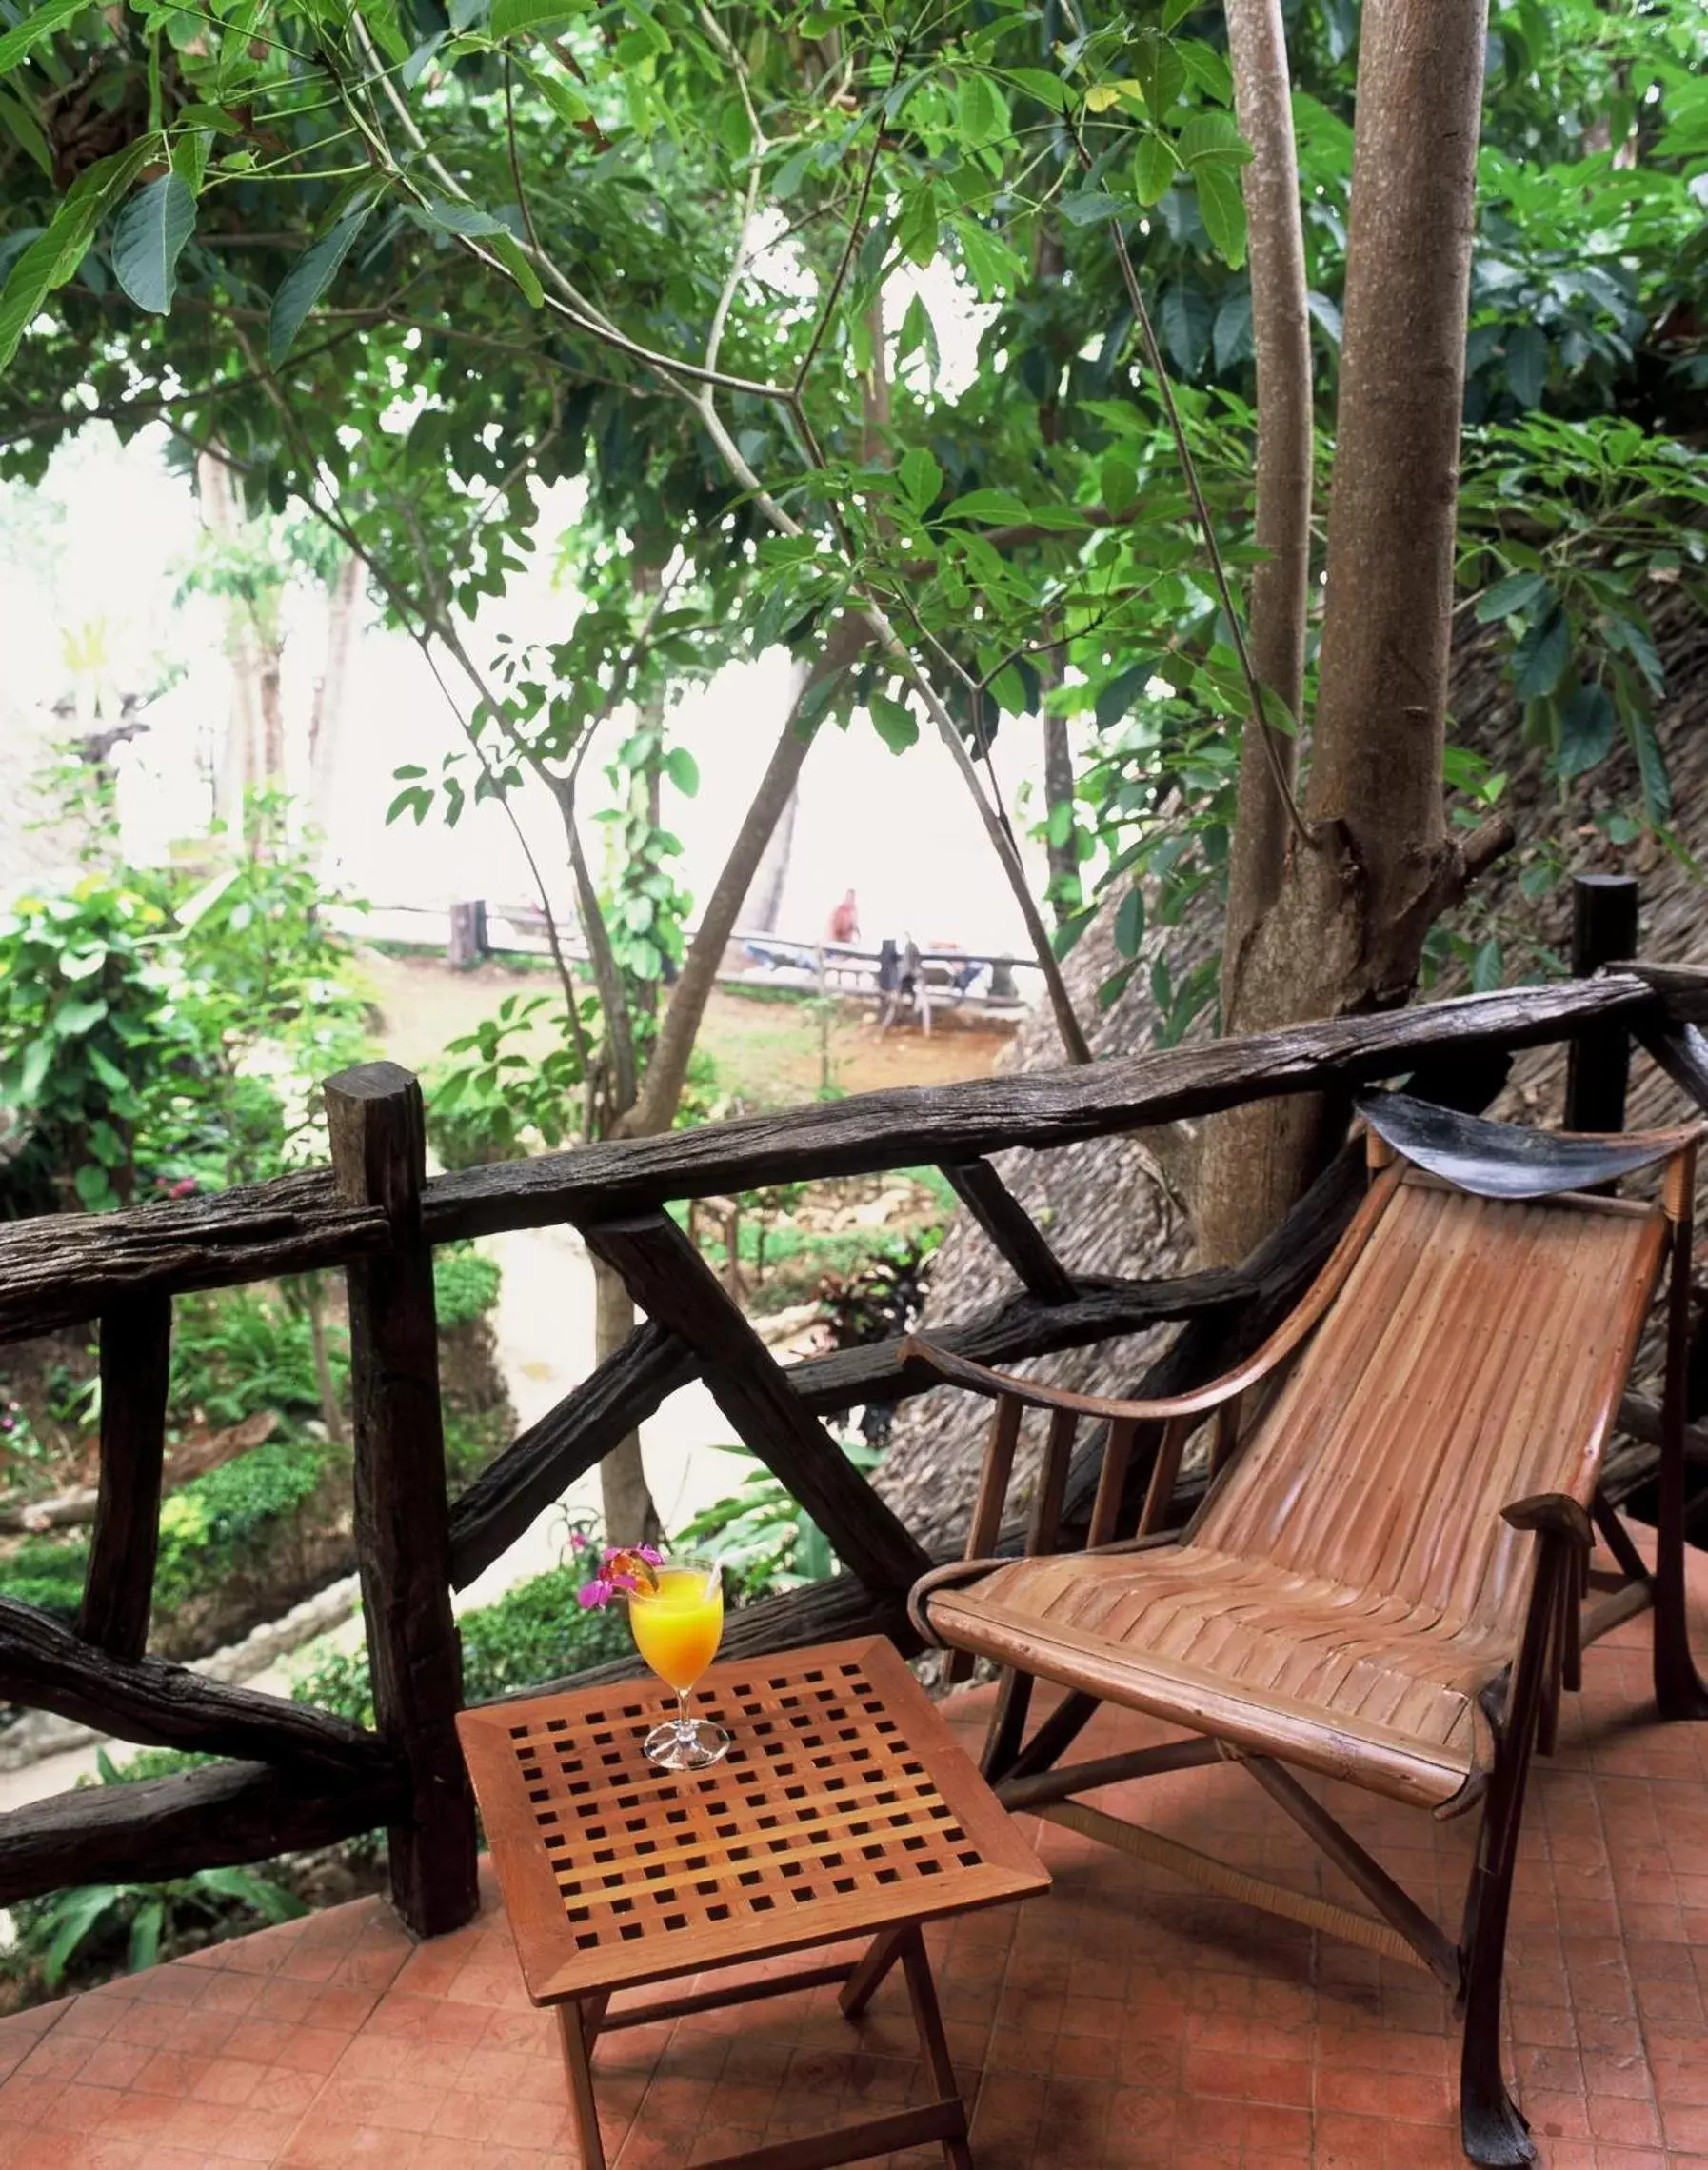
(844, 1807)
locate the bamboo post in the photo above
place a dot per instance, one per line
(403, 1515)
(1603, 933)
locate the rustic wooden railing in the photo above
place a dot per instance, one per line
(294, 1777)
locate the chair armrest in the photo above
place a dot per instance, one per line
(1553, 1514)
(1307, 1313)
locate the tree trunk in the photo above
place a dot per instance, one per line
(630, 1517)
(1064, 891)
(238, 762)
(326, 716)
(655, 1110)
(1248, 1158)
(1346, 927)
(763, 908)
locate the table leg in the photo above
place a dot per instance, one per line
(575, 2034)
(934, 2044)
(861, 1986)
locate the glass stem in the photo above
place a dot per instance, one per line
(685, 1725)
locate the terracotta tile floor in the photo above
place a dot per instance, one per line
(1124, 2022)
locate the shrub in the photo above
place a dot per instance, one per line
(239, 1352)
(534, 1633)
(465, 1284)
(225, 1518)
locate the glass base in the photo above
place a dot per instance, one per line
(690, 1746)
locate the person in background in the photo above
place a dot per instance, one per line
(845, 921)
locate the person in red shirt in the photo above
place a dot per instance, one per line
(845, 921)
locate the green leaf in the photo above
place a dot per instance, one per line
(20, 43)
(24, 131)
(72, 1019)
(1586, 726)
(1213, 138)
(1087, 207)
(916, 229)
(975, 111)
(564, 99)
(1118, 480)
(1186, 320)
(1154, 168)
(307, 279)
(1176, 12)
(1527, 358)
(895, 724)
(1119, 693)
(1038, 83)
(683, 771)
(1541, 656)
(995, 507)
(993, 267)
(452, 217)
(1327, 312)
(509, 17)
(1511, 597)
(920, 478)
(514, 258)
(1129, 921)
(1232, 339)
(149, 239)
(1160, 72)
(91, 1185)
(76, 1915)
(53, 257)
(1486, 966)
(1206, 67)
(1651, 764)
(1221, 205)
(145, 1936)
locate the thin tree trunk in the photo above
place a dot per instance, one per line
(1065, 893)
(1347, 928)
(238, 765)
(655, 1110)
(762, 907)
(630, 1515)
(1248, 1158)
(326, 716)
(315, 1303)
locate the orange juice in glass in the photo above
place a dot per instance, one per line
(677, 1616)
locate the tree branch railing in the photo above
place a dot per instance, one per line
(300, 1777)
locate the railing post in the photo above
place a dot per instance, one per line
(1597, 1064)
(136, 1356)
(403, 1515)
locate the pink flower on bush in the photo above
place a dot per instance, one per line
(621, 1567)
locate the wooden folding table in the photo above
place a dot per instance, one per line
(843, 1809)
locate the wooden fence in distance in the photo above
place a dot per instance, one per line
(291, 1776)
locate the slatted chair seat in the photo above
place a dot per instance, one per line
(1384, 1583)
(1351, 1682)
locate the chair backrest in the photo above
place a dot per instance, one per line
(1474, 1355)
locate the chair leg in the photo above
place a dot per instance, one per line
(1679, 1689)
(1492, 2126)
(1007, 1726)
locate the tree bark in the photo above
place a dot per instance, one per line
(655, 1108)
(1345, 929)
(631, 1514)
(326, 716)
(1058, 791)
(762, 907)
(238, 762)
(1248, 1158)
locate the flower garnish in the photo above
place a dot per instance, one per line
(621, 1567)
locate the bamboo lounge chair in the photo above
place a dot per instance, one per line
(1386, 1580)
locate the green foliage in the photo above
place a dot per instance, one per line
(84, 1011)
(535, 1632)
(76, 1931)
(465, 1284)
(155, 1039)
(240, 1351)
(230, 1517)
(764, 1539)
(507, 1087)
